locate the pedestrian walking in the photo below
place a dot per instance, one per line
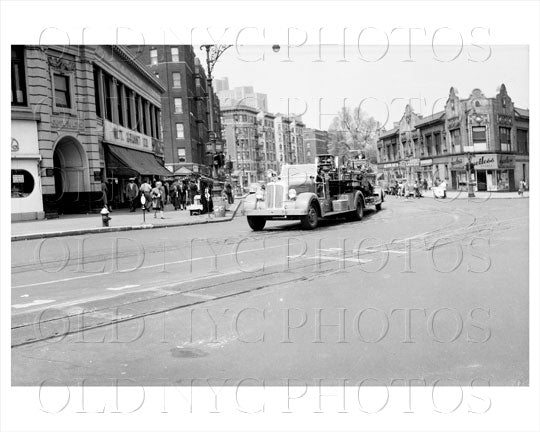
(522, 186)
(146, 190)
(416, 187)
(173, 193)
(229, 193)
(425, 185)
(157, 195)
(193, 190)
(132, 193)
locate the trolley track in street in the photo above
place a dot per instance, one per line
(162, 297)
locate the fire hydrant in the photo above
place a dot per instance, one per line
(105, 218)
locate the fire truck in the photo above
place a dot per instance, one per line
(311, 192)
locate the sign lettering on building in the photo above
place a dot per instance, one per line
(426, 162)
(67, 123)
(115, 134)
(485, 162)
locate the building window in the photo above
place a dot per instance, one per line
(504, 136)
(18, 78)
(129, 111)
(153, 57)
(479, 138)
(174, 54)
(479, 134)
(157, 113)
(22, 183)
(178, 105)
(181, 155)
(428, 145)
(119, 104)
(455, 137)
(62, 98)
(438, 141)
(522, 141)
(107, 95)
(145, 117)
(180, 130)
(97, 95)
(176, 78)
(138, 118)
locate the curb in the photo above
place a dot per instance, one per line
(116, 229)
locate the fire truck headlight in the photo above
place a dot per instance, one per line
(292, 193)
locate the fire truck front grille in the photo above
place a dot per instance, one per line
(274, 196)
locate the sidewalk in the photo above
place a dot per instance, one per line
(479, 196)
(122, 220)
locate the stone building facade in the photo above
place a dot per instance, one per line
(83, 107)
(490, 132)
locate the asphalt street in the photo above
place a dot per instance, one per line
(424, 289)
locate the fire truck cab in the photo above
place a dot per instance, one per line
(310, 192)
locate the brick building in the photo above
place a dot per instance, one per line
(185, 106)
(316, 143)
(80, 115)
(491, 131)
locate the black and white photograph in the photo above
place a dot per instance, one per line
(219, 219)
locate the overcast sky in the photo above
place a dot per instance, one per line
(305, 81)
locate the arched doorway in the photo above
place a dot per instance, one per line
(71, 178)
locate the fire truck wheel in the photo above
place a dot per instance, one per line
(256, 223)
(358, 214)
(311, 220)
(378, 207)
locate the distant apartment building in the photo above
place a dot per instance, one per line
(316, 143)
(185, 106)
(244, 95)
(250, 143)
(289, 135)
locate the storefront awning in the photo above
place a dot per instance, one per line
(141, 162)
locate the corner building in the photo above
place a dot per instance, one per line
(81, 115)
(492, 132)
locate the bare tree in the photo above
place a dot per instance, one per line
(353, 130)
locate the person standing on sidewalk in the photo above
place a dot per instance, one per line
(182, 192)
(158, 194)
(104, 193)
(132, 192)
(522, 186)
(146, 190)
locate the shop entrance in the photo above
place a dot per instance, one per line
(482, 180)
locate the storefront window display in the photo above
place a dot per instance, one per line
(22, 183)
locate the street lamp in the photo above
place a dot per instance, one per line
(213, 53)
(470, 185)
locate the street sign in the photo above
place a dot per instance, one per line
(143, 200)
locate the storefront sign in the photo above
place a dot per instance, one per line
(485, 162)
(458, 162)
(390, 165)
(67, 122)
(413, 162)
(426, 162)
(506, 161)
(125, 137)
(157, 147)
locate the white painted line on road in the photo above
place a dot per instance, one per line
(145, 267)
(34, 303)
(122, 287)
(25, 295)
(199, 295)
